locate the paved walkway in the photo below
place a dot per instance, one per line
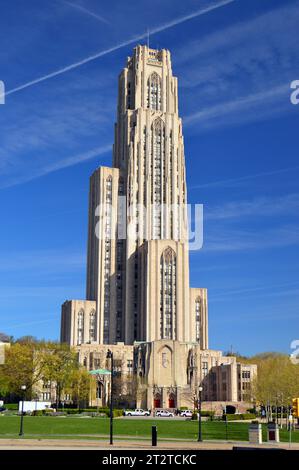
(101, 444)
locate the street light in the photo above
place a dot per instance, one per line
(199, 439)
(110, 356)
(23, 388)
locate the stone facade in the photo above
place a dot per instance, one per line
(139, 302)
(3, 346)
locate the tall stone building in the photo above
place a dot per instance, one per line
(139, 301)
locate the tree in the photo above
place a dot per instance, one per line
(81, 385)
(4, 338)
(58, 363)
(27, 340)
(22, 367)
(31, 363)
(277, 379)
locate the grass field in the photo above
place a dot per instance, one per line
(71, 427)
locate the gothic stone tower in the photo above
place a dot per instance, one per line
(138, 261)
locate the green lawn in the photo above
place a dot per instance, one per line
(71, 426)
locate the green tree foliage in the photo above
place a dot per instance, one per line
(32, 363)
(81, 386)
(58, 362)
(277, 380)
(22, 367)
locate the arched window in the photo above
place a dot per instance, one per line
(154, 92)
(168, 294)
(100, 389)
(157, 400)
(92, 326)
(107, 258)
(157, 166)
(80, 327)
(197, 319)
(171, 400)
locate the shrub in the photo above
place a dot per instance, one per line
(37, 413)
(116, 413)
(11, 406)
(249, 416)
(208, 413)
(47, 411)
(72, 411)
(241, 416)
(85, 410)
(91, 411)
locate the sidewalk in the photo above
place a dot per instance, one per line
(102, 444)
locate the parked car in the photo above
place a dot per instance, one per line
(137, 412)
(164, 413)
(186, 413)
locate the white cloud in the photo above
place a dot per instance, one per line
(86, 11)
(273, 288)
(242, 109)
(30, 323)
(57, 165)
(236, 181)
(234, 240)
(241, 73)
(154, 30)
(63, 128)
(249, 48)
(258, 207)
(42, 261)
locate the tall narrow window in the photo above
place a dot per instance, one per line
(92, 326)
(197, 319)
(168, 294)
(107, 258)
(80, 327)
(158, 157)
(144, 164)
(119, 267)
(170, 172)
(154, 92)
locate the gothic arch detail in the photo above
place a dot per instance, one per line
(92, 326)
(157, 175)
(80, 327)
(154, 92)
(198, 308)
(168, 294)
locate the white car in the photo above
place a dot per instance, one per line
(186, 413)
(137, 412)
(164, 413)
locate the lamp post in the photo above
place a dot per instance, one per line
(23, 388)
(199, 439)
(110, 356)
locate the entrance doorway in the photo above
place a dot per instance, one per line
(171, 401)
(157, 401)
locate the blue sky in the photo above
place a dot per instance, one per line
(235, 61)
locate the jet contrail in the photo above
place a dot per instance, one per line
(244, 178)
(59, 165)
(155, 30)
(84, 10)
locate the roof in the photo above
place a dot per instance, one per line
(100, 372)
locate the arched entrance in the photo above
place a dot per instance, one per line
(100, 390)
(171, 401)
(157, 401)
